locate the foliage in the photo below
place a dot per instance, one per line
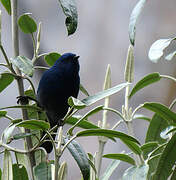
(153, 160)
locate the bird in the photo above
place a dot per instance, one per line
(56, 85)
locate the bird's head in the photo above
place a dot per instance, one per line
(68, 61)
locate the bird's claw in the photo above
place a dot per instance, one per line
(23, 100)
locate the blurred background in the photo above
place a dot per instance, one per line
(101, 39)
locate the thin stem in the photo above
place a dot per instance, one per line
(34, 46)
(41, 67)
(15, 41)
(30, 82)
(117, 124)
(168, 77)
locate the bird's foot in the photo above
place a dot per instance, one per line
(25, 100)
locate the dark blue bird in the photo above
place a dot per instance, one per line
(55, 87)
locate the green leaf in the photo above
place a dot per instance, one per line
(51, 58)
(107, 133)
(157, 48)
(149, 145)
(5, 80)
(167, 160)
(141, 116)
(62, 174)
(19, 172)
(7, 166)
(133, 146)
(7, 5)
(3, 114)
(121, 157)
(133, 20)
(100, 95)
(81, 158)
(147, 80)
(90, 113)
(83, 124)
(110, 169)
(0, 174)
(136, 172)
(76, 103)
(42, 171)
(22, 107)
(162, 111)
(24, 64)
(129, 67)
(34, 124)
(164, 134)
(70, 10)
(83, 90)
(27, 24)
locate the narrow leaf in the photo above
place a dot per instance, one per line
(107, 133)
(70, 10)
(129, 68)
(157, 48)
(7, 5)
(34, 124)
(22, 135)
(121, 157)
(7, 166)
(22, 107)
(62, 174)
(162, 111)
(5, 80)
(83, 124)
(19, 172)
(27, 24)
(92, 99)
(136, 172)
(42, 171)
(133, 20)
(167, 160)
(51, 58)
(149, 145)
(110, 169)
(83, 90)
(147, 80)
(8, 132)
(81, 158)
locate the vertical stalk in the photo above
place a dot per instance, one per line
(15, 41)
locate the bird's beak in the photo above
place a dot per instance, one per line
(76, 57)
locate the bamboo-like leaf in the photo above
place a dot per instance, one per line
(27, 24)
(51, 58)
(22, 107)
(107, 133)
(147, 80)
(3, 114)
(162, 111)
(133, 20)
(92, 99)
(81, 158)
(24, 64)
(167, 160)
(121, 157)
(70, 10)
(5, 80)
(136, 172)
(76, 103)
(8, 132)
(157, 48)
(7, 166)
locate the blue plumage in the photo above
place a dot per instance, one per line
(55, 87)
